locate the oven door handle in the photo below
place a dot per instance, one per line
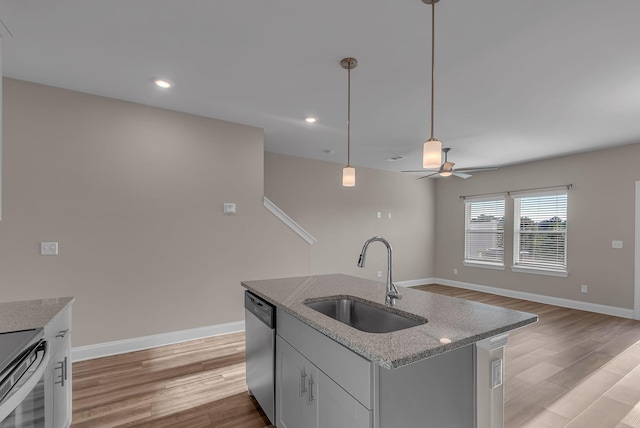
(13, 401)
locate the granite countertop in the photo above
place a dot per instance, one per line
(30, 314)
(461, 321)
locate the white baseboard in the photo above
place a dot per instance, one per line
(414, 282)
(99, 350)
(549, 300)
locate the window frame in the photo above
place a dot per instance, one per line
(537, 268)
(477, 262)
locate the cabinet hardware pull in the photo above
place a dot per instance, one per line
(311, 383)
(62, 333)
(302, 382)
(60, 366)
(66, 368)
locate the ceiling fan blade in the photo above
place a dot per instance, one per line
(461, 174)
(427, 176)
(485, 168)
(423, 170)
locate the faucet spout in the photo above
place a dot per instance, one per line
(392, 292)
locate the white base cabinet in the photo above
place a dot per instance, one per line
(58, 376)
(307, 398)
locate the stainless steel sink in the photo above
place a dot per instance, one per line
(364, 317)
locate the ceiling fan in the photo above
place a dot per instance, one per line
(446, 169)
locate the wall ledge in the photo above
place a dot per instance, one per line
(106, 349)
(273, 208)
(540, 298)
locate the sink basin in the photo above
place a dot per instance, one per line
(364, 317)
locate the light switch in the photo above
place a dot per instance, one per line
(229, 208)
(616, 244)
(48, 248)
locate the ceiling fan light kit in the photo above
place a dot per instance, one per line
(446, 169)
(432, 149)
(349, 172)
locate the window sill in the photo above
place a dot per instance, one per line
(539, 271)
(494, 266)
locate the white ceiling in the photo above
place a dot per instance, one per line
(515, 80)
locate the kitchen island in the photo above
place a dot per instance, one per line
(447, 372)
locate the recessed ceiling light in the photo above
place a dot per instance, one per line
(162, 83)
(310, 119)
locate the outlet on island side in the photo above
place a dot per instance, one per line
(584, 288)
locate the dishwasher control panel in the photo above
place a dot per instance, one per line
(261, 309)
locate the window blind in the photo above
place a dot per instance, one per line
(484, 231)
(540, 231)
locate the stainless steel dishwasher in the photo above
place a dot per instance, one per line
(260, 337)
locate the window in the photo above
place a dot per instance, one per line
(540, 233)
(484, 232)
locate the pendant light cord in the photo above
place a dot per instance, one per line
(433, 58)
(349, 117)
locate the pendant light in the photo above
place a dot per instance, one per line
(349, 172)
(432, 150)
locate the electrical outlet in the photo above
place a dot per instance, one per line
(616, 244)
(378, 214)
(496, 373)
(455, 271)
(389, 216)
(584, 288)
(379, 274)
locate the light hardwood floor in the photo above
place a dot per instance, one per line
(572, 369)
(195, 384)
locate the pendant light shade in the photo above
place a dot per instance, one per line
(349, 172)
(432, 153)
(348, 176)
(432, 149)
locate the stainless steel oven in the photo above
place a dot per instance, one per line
(23, 360)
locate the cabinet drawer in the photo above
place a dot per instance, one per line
(348, 369)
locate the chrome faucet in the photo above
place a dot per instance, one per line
(392, 291)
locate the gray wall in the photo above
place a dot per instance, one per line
(343, 218)
(601, 208)
(134, 196)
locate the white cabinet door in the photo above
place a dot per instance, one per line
(62, 385)
(308, 398)
(58, 376)
(292, 377)
(334, 407)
